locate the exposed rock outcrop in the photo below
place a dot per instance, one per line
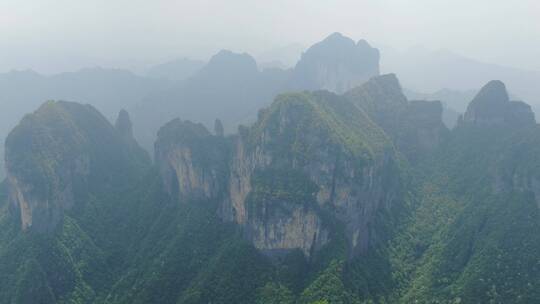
(515, 168)
(123, 124)
(59, 154)
(336, 64)
(302, 140)
(492, 106)
(279, 227)
(519, 114)
(192, 162)
(416, 127)
(311, 160)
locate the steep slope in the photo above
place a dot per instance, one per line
(88, 221)
(314, 202)
(474, 235)
(56, 156)
(313, 181)
(232, 87)
(109, 90)
(492, 106)
(336, 64)
(192, 162)
(308, 155)
(68, 170)
(416, 127)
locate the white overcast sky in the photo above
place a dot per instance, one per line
(57, 35)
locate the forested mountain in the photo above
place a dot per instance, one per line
(363, 197)
(454, 102)
(108, 90)
(230, 87)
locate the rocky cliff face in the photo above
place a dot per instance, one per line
(492, 106)
(517, 165)
(123, 124)
(509, 128)
(277, 227)
(311, 161)
(192, 162)
(56, 156)
(336, 64)
(416, 127)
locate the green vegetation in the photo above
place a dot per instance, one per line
(470, 238)
(327, 120)
(329, 287)
(273, 293)
(465, 229)
(288, 185)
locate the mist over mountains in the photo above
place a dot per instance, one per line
(106, 89)
(227, 182)
(185, 87)
(191, 88)
(427, 71)
(232, 88)
(176, 70)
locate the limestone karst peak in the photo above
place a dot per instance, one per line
(218, 128)
(492, 106)
(336, 64)
(123, 124)
(226, 61)
(58, 154)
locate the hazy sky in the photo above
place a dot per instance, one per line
(58, 35)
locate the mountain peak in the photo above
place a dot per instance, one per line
(492, 106)
(494, 92)
(57, 154)
(123, 124)
(336, 38)
(380, 91)
(225, 61)
(336, 64)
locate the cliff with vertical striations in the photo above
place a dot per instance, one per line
(311, 160)
(59, 154)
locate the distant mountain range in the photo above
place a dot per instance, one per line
(175, 70)
(230, 86)
(425, 71)
(233, 86)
